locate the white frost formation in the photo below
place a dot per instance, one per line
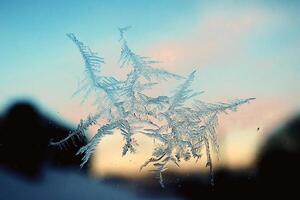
(180, 131)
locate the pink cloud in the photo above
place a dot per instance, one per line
(265, 113)
(216, 37)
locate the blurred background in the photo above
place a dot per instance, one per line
(240, 49)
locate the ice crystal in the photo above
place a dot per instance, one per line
(181, 130)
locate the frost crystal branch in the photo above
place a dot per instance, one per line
(181, 129)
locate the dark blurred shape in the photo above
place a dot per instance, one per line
(31, 169)
(278, 163)
(24, 137)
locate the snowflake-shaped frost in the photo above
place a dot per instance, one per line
(181, 130)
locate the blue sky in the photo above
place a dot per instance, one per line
(34, 46)
(241, 49)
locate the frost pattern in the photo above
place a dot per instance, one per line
(182, 127)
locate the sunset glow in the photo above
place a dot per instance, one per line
(238, 49)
